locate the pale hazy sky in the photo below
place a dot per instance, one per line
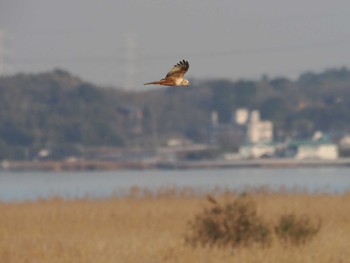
(132, 42)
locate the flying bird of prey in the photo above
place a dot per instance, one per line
(175, 76)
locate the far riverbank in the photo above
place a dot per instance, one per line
(91, 165)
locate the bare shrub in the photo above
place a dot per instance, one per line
(232, 224)
(296, 230)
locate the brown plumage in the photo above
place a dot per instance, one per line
(175, 76)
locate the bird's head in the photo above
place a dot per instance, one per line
(185, 82)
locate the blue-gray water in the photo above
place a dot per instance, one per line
(19, 186)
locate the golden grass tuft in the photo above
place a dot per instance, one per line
(152, 229)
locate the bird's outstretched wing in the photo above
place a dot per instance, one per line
(179, 70)
(174, 76)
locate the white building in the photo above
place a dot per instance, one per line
(256, 150)
(344, 142)
(259, 131)
(324, 151)
(241, 116)
(214, 117)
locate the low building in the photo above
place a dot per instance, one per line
(257, 150)
(317, 150)
(344, 142)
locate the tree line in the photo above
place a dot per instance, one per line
(58, 111)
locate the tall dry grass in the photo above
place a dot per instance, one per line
(152, 229)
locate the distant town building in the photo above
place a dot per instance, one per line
(259, 135)
(259, 131)
(241, 116)
(214, 117)
(178, 141)
(317, 150)
(257, 150)
(44, 153)
(318, 135)
(320, 147)
(344, 142)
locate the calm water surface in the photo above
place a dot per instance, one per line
(19, 186)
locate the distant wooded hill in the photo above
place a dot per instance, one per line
(65, 114)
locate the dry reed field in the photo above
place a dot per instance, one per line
(152, 229)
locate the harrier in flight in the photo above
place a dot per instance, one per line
(175, 76)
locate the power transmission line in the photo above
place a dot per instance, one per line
(140, 59)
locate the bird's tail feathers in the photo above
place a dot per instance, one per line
(153, 82)
(164, 82)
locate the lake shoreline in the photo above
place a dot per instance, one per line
(100, 165)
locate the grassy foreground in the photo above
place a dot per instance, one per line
(152, 229)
